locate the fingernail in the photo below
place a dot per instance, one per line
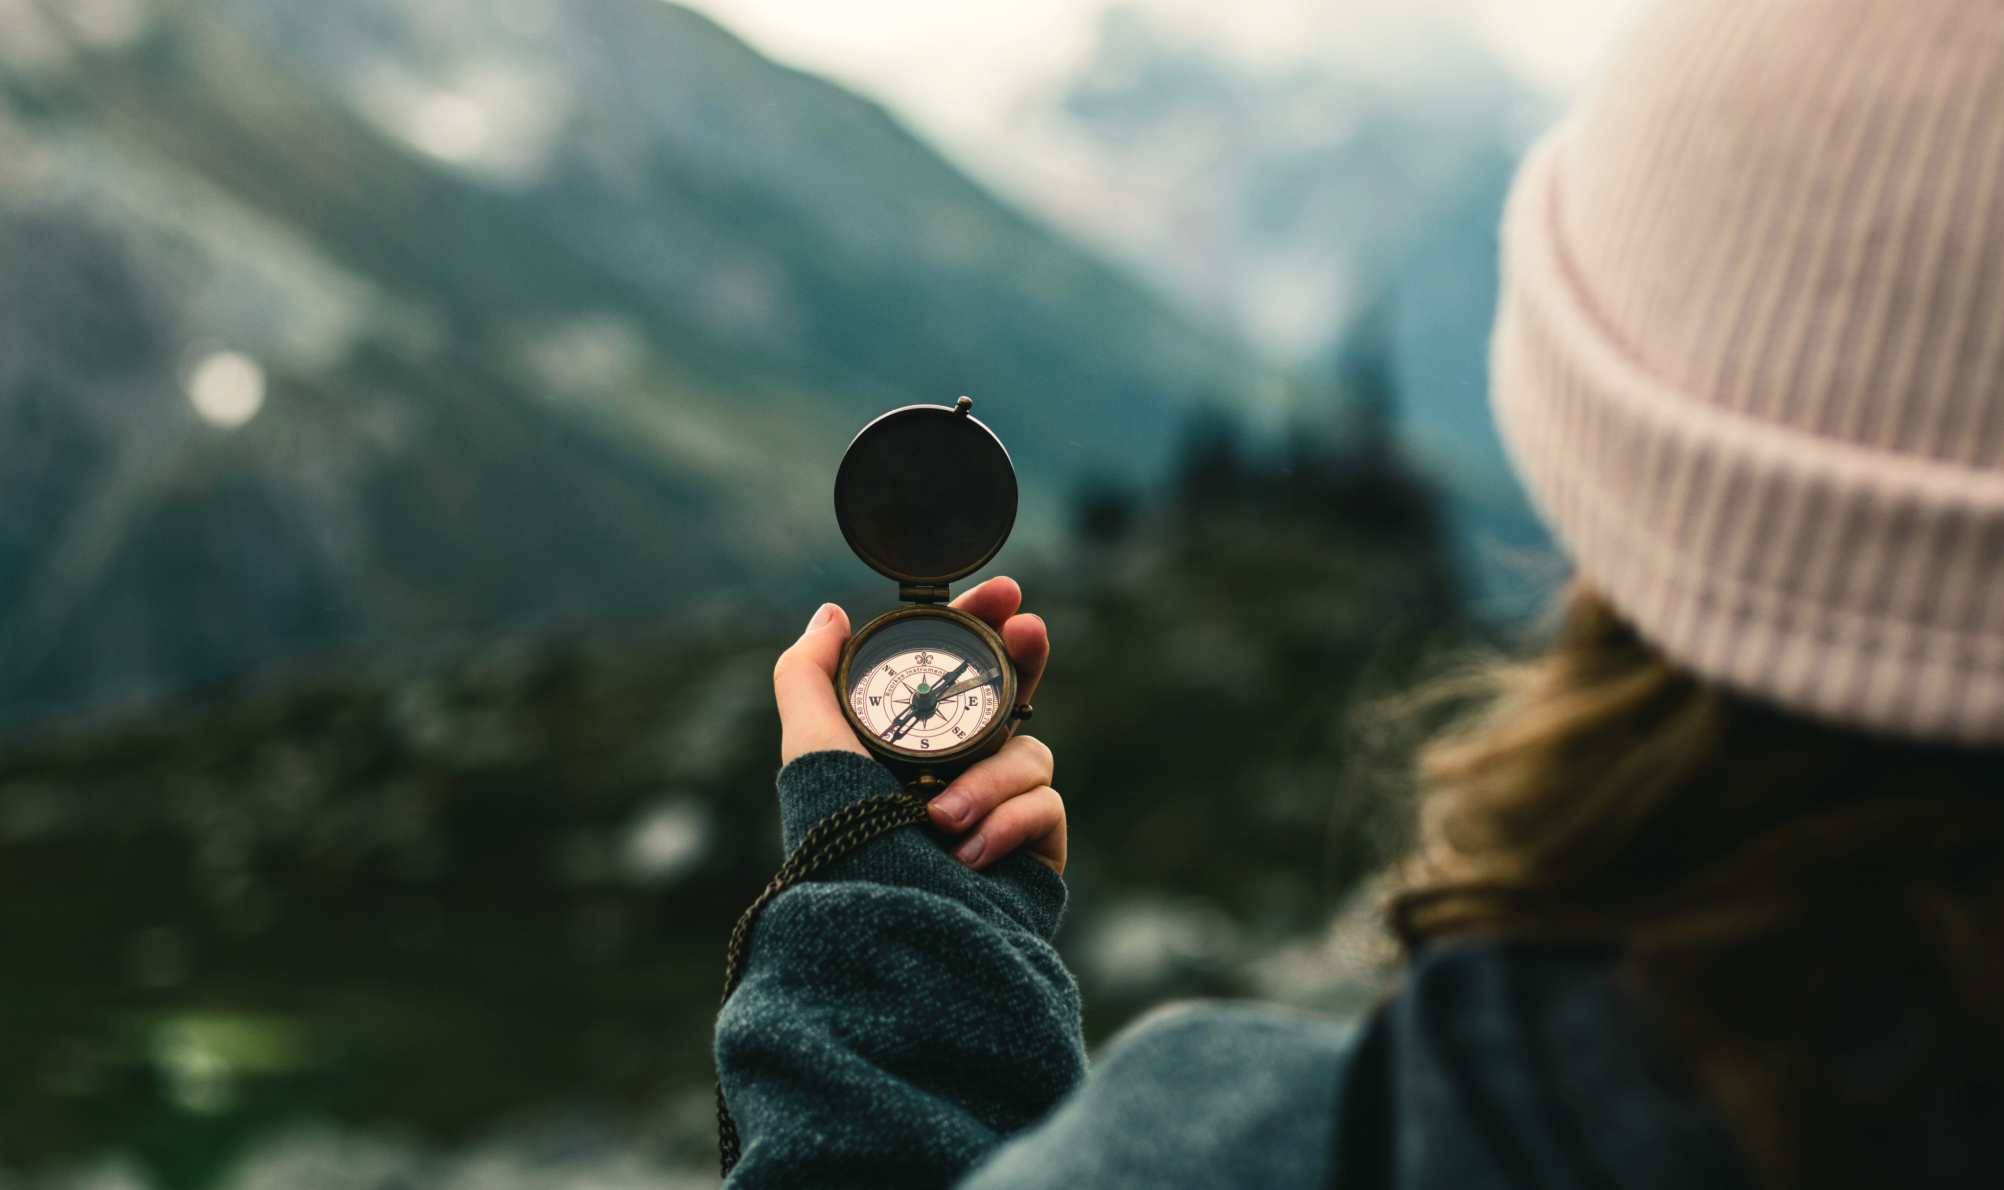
(970, 851)
(825, 614)
(953, 804)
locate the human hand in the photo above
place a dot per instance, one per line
(1002, 803)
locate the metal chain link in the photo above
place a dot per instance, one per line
(830, 839)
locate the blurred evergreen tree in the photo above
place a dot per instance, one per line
(1367, 383)
(1206, 662)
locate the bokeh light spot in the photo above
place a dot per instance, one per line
(227, 389)
(667, 842)
(450, 127)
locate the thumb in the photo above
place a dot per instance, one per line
(820, 645)
(810, 718)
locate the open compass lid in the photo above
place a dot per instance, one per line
(926, 494)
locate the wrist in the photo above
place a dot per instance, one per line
(796, 743)
(815, 784)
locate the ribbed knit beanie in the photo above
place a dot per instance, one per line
(1750, 352)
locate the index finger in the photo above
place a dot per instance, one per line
(996, 602)
(993, 601)
(1030, 646)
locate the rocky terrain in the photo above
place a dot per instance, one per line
(445, 894)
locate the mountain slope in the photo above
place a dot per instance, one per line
(564, 315)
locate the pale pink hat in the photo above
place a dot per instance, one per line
(1750, 354)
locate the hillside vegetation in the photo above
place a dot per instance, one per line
(448, 890)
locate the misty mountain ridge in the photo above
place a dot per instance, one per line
(557, 313)
(1319, 210)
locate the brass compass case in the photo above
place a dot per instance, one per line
(926, 495)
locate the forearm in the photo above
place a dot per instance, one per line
(900, 1016)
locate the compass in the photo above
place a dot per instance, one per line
(926, 495)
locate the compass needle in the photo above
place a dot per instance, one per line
(934, 672)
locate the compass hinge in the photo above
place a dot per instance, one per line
(924, 593)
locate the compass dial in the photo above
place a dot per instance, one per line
(924, 686)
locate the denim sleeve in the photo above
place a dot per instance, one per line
(901, 1015)
(1218, 1097)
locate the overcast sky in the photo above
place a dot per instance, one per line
(982, 80)
(954, 69)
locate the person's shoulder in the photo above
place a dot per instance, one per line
(1499, 1001)
(1539, 1060)
(1211, 1095)
(1482, 974)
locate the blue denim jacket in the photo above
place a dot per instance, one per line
(905, 1022)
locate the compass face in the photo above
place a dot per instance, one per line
(925, 685)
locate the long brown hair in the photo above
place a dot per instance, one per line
(1813, 915)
